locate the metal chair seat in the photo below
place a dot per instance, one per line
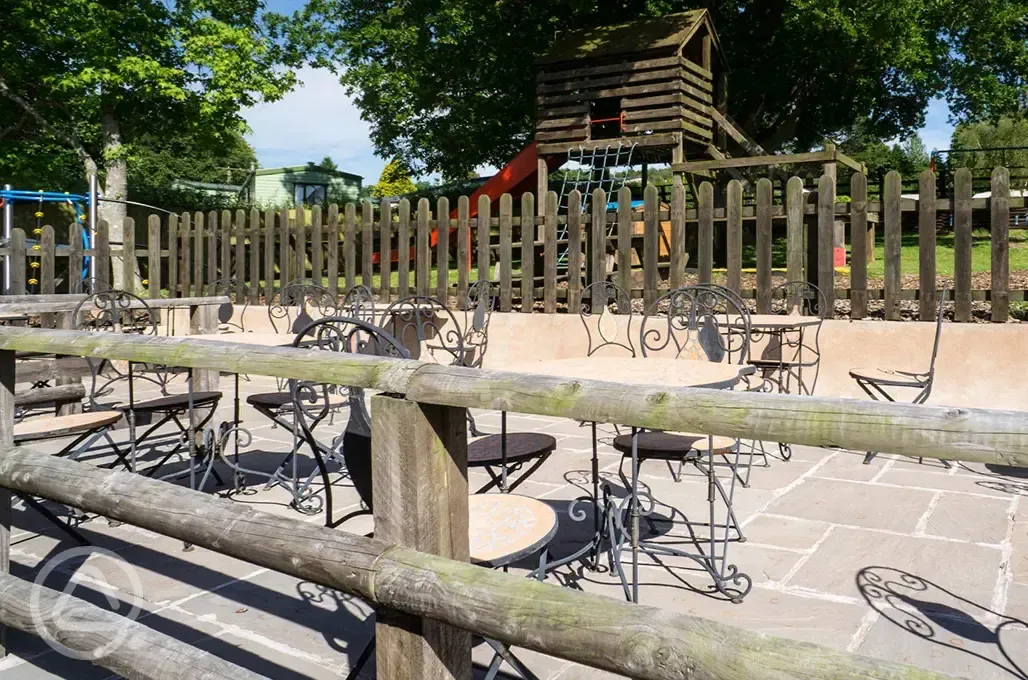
(890, 377)
(671, 446)
(521, 447)
(284, 400)
(506, 528)
(63, 426)
(172, 403)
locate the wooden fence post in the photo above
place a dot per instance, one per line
(239, 268)
(47, 242)
(962, 192)
(893, 244)
(795, 202)
(128, 256)
(574, 251)
(226, 246)
(527, 252)
(926, 244)
(442, 251)
(186, 253)
(300, 243)
(350, 245)
(75, 258)
(463, 247)
(625, 248)
(598, 238)
(153, 255)
(211, 275)
(367, 242)
(7, 381)
(825, 237)
(764, 191)
(705, 246)
(423, 254)
(269, 254)
(285, 259)
(858, 245)
(199, 242)
(173, 255)
(733, 235)
(102, 253)
(385, 250)
(651, 244)
(420, 492)
(203, 320)
(679, 259)
(506, 254)
(256, 236)
(550, 252)
(1000, 207)
(484, 229)
(403, 248)
(333, 249)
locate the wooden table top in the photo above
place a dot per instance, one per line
(503, 528)
(779, 321)
(639, 371)
(62, 426)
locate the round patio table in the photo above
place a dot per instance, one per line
(640, 371)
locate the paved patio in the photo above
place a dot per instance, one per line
(909, 562)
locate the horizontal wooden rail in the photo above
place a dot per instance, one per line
(638, 641)
(72, 304)
(85, 628)
(978, 435)
(47, 395)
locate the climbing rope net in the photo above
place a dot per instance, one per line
(592, 169)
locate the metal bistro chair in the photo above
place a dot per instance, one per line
(601, 324)
(874, 381)
(359, 303)
(788, 353)
(122, 312)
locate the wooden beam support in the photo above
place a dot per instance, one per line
(755, 161)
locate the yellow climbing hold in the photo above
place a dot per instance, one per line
(34, 265)
(33, 282)
(35, 247)
(39, 213)
(37, 231)
(146, 282)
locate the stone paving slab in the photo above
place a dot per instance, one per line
(855, 504)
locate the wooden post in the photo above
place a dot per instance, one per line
(463, 247)
(203, 320)
(185, 271)
(403, 248)
(18, 263)
(173, 255)
(625, 248)
(226, 246)
(527, 253)
(858, 235)
(75, 258)
(333, 249)
(47, 243)
(300, 244)
(102, 252)
(199, 239)
(541, 187)
(239, 256)
(1000, 206)
(651, 244)
(733, 235)
(269, 255)
(926, 244)
(962, 244)
(831, 167)
(420, 492)
(385, 251)
(825, 237)
(350, 245)
(317, 252)
(795, 203)
(506, 256)
(574, 251)
(442, 251)
(764, 191)
(550, 253)
(598, 268)
(256, 236)
(484, 227)
(367, 242)
(66, 321)
(153, 255)
(705, 238)
(679, 258)
(212, 253)
(7, 381)
(285, 260)
(893, 243)
(423, 262)
(128, 256)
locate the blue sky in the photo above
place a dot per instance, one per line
(318, 119)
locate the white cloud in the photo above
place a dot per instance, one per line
(316, 119)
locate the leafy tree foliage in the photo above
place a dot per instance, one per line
(394, 181)
(447, 84)
(1006, 132)
(328, 163)
(908, 157)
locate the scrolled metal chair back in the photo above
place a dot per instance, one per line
(602, 327)
(478, 311)
(359, 303)
(697, 322)
(801, 298)
(426, 328)
(237, 293)
(299, 303)
(92, 286)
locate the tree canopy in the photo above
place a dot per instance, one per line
(1006, 132)
(394, 181)
(447, 84)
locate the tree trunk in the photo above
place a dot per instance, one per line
(116, 186)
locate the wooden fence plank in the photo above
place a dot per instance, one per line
(47, 270)
(1000, 214)
(574, 251)
(825, 237)
(18, 263)
(795, 203)
(269, 255)
(679, 259)
(385, 251)
(733, 235)
(333, 249)
(651, 244)
(926, 226)
(285, 257)
(199, 243)
(423, 263)
(764, 194)
(317, 247)
(625, 247)
(550, 253)
(367, 242)
(403, 248)
(962, 192)
(225, 239)
(102, 253)
(300, 243)
(256, 235)
(858, 248)
(185, 273)
(153, 255)
(463, 247)
(484, 227)
(893, 245)
(442, 251)
(173, 256)
(705, 247)
(212, 252)
(128, 256)
(527, 253)
(506, 252)
(75, 258)
(350, 245)
(598, 238)
(239, 256)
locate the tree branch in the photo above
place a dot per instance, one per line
(70, 138)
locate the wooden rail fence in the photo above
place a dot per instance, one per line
(530, 248)
(422, 585)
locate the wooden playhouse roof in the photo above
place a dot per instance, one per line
(659, 33)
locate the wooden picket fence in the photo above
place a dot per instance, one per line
(184, 254)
